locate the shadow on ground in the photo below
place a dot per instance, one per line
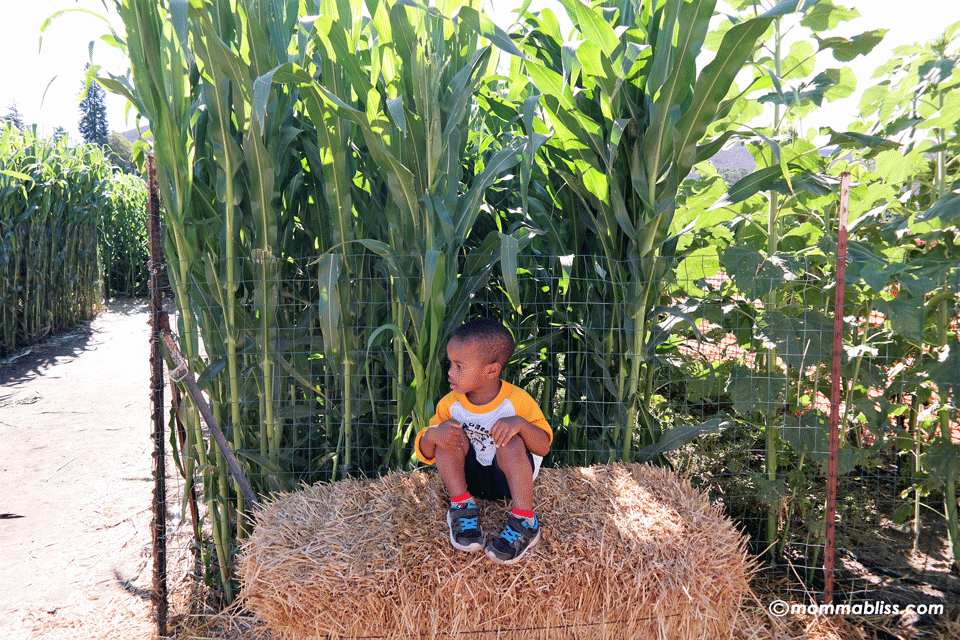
(30, 362)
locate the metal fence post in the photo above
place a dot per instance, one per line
(835, 383)
(159, 524)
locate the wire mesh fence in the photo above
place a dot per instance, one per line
(321, 369)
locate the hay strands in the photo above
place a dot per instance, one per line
(626, 551)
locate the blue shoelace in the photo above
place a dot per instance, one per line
(510, 535)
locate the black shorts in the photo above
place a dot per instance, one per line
(487, 482)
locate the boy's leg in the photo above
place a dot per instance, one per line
(450, 465)
(514, 461)
(522, 530)
(463, 517)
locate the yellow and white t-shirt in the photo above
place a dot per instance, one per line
(478, 420)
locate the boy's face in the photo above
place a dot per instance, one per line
(469, 369)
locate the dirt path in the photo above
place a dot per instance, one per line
(75, 483)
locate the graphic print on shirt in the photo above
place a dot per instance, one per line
(481, 440)
(477, 427)
(477, 421)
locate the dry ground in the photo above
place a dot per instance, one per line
(75, 483)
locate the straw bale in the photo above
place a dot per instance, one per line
(626, 552)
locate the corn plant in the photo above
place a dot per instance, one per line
(122, 232)
(628, 111)
(164, 93)
(419, 207)
(299, 160)
(50, 199)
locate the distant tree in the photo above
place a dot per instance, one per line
(731, 175)
(14, 116)
(120, 152)
(93, 115)
(59, 133)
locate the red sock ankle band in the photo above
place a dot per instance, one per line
(520, 513)
(461, 498)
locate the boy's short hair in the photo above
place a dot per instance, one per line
(497, 341)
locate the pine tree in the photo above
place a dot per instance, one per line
(14, 116)
(93, 115)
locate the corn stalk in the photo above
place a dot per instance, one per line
(52, 197)
(280, 139)
(412, 116)
(628, 110)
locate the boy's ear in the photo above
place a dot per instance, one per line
(493, 370)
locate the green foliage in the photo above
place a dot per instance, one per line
(50, 196)
(915, 239)
(902, 262)
(342, 190)
(119, 151)
(123, 235)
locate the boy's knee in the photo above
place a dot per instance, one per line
(451, 456)
(514, 451)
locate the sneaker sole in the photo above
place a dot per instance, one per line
(476, 546)
(533, 543)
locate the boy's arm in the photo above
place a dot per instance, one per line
(424, 449)
(535, 438)
(425, 446)
(529, 423)
(446, 435)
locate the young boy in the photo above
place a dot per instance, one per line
(487, 439)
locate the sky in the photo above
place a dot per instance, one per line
(45, 82)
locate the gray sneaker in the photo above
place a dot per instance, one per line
(465, 528)
(517, 538)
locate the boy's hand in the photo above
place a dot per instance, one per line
(450, 435)
(505, 429)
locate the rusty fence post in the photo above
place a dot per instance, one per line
(835, 383)
(157, 322)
